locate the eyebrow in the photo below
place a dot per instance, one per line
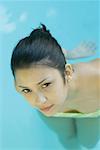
(37, 83)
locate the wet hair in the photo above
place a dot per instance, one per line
(39, 48)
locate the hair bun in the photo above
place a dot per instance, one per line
(43, 28)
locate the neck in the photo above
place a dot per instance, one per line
(72, 93)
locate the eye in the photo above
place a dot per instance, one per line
(46, 85)
(26, 90)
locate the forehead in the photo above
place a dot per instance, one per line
(35, 74)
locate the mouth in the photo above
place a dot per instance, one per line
(46, 109)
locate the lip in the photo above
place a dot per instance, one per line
(47, 108)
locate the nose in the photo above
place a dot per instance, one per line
(40, 99)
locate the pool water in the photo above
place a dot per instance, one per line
(21, 126)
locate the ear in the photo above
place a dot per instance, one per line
(68, 71)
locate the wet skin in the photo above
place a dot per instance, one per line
(80, 93)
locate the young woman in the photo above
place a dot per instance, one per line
(48, 82)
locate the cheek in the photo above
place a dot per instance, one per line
(29, 98)
(59, 95)
(63, 93)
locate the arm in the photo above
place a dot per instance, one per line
(82, 51)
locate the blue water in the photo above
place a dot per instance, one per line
(21, 126)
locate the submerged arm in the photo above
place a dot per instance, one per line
(85, 49)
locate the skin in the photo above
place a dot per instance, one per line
(80, 91)
(55, 93)
(88, 96)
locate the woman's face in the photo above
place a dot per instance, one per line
(43, 87)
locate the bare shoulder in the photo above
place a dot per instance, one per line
(88, 68)
(88, 79)
(95, 62)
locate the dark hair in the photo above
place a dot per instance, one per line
(39, 48)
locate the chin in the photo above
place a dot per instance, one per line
(48, 114)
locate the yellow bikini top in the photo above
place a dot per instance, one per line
(76, 114)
